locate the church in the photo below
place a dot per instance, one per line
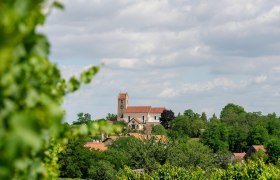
(137, 117)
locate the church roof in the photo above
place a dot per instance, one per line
(138, 109)
(157, 110)
(144, 109)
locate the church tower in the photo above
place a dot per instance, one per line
(122, 104)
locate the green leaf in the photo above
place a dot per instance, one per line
(58, 5)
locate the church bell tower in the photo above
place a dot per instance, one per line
(122, 105)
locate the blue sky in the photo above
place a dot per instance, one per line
(179, 54)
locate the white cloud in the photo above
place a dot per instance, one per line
(121, 63)
(171, 52)
(261, 79)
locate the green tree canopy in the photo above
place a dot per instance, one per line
(216, 136)
(204, 116)
(273, 150)
(185, 125)
(158, 130)
(258, 135)
(111, 117)
(231, 112)
(191, 155)
(82, 119)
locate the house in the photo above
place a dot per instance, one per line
(238, 157)
(255, 148)
(137, 117)
(99, 146)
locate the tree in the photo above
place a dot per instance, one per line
(82, 119)
(191, 114)
(166, 117)
(231, 112)
(231, 109)
(214, 118)
(273, 150)
(75, 159)
(102, 170)
(191, 154)
(138, 154)
(258, 155)
(158, 130)
(216, 137)
(185, 125)
(238, 138)
(111, 117)
(204, 117)
(257, 136)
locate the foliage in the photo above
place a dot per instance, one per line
(189, 113)
(158, 130)
(273, 150)
(74, 160)
(231, 112)
(214, 118)
(216, 137)
(102, 170)
(251, 170)
(185, 125)
(31, 92)
(166, 117)
(122, 125)
(129, 174)
(82, 119)
(238, 138)
(204, 117)
(258, 155)
(257, 135)
(111, 117)
(191, 155)
(172, 172)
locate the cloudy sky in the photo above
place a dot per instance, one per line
(179, 54)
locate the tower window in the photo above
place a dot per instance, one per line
(128, 118)
(143, 118)
(155, 117)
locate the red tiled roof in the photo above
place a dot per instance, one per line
(96, 146)
(259, 148)
(239, 156)
(144, 109)
(122, 95)
(138, 109)
(157, 110)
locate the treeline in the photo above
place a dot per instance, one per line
(197, 147)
